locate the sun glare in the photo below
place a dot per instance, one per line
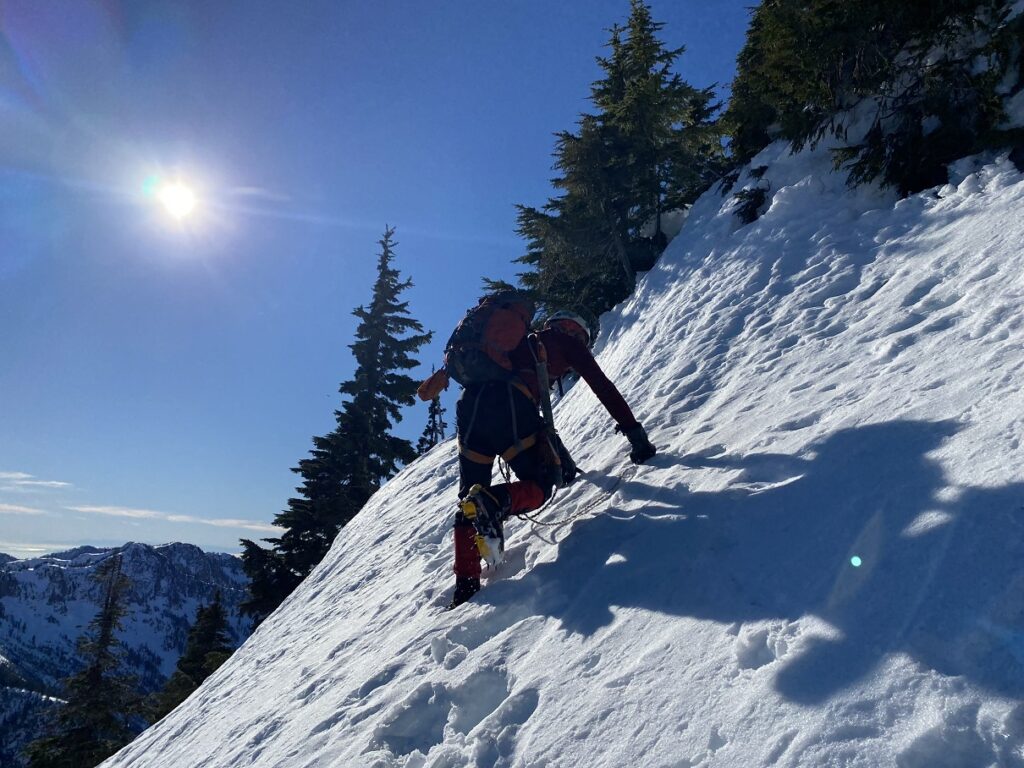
(177, 199)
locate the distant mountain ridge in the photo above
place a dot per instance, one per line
(47, 602)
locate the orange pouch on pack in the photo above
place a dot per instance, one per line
(433, 386)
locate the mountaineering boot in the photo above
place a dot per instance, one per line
(465, 588)
(485, 512)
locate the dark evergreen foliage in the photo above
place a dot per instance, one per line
(650, 147)
(496, 286)
(750, 204)
(95, 720)
(347, 466)
(386, 340)
(270, 580)
(933, 74)
(208, 646)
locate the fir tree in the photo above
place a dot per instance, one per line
(931, 77)
(208, 646)
(576, 244)
(650, 147)
(325, 501)
(664, 149)
(386, 340)
(94, 721)
(434, 432)
(347, 466)
(270, 581)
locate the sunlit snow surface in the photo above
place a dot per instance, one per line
(839, 381)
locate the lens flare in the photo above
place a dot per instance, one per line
(151, 186)
(177, 199)
(856, 562)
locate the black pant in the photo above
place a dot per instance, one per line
(489, 419)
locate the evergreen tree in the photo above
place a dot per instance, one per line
(347, 466)
(664, 149)
(270, 581)
(931, 76)
(576, 244)
(208, 646)
(651, 146)
(434, 432)
(386, 340)
(325, 501)
(94, 721)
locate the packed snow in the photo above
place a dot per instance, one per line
(822, 566)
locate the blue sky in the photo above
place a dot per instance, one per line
(158, 379)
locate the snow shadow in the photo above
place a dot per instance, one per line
(861, 530)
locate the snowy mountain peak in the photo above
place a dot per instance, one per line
(821, 567)
(46, 603)
(75, 553)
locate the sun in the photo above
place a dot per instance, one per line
(177, 199)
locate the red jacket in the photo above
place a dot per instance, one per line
(565, 354)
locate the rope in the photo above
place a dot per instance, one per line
(506, 473)
(626, 474)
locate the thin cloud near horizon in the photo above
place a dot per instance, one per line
(17, 509)
(19, 481)
(33, 548)
(152, 514)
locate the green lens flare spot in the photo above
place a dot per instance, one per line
(856, 562)
(150, 186)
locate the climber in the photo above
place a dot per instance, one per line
(495, 357)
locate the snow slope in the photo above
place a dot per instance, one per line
(821, 567)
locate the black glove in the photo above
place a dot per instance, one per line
(642, 448)
(569, 468)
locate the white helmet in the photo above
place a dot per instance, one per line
(562, 316)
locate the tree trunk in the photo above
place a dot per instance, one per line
(620, 249)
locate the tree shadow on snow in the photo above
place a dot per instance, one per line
(939, 579)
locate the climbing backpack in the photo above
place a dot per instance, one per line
(478, 349)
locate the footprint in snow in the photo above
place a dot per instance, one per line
(589, 664)
(942, 323)
(920, 290)
(709, 452)
(829, 330)
(962, 739)
(984, 274)
(778, 749)
(888, 350)
(446, 653)
(914, 318)
(481, 704)
(801, 422)
(759, 646)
